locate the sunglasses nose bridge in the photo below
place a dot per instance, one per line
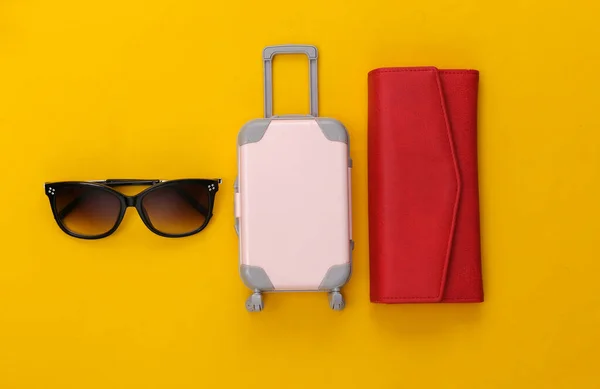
(130, 201)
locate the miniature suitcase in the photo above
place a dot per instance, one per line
(293, 198)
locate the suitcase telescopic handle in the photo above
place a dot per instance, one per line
(311, 52)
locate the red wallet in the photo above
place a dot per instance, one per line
(424, 232)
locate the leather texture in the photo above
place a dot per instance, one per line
(424, 227)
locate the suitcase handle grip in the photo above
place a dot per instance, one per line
(269, 52)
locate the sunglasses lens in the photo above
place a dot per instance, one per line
(87, 210)
(177, 209)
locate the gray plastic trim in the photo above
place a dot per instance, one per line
(255, 277)
(236, 222)
(333, 130)
(336, 276)
(268, 53)
(292, 117)
(253, 131)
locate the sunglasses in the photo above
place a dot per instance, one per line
(169, 208)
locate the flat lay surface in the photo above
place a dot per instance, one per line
(159, 90)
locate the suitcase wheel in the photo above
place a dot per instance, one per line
(336, 300)
(255, 302)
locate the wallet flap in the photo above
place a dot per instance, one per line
(414, 185)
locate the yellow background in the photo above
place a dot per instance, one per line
(159, 89)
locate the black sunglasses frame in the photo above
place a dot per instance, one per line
(212, 186)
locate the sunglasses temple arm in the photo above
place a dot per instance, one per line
(120, 182)
(199, 207)
(69, 207)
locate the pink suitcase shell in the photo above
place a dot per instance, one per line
(293, 198)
